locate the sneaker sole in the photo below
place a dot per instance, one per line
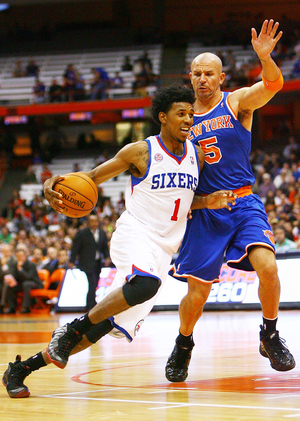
(55, 362)
(176, 380)
(22, 394)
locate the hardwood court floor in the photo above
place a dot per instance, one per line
(115, 380)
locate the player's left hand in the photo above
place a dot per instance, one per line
(221, 199)
(265, 43)
(53, 197)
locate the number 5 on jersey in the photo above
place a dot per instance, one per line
(212, 152)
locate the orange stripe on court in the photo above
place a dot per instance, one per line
(24, 337)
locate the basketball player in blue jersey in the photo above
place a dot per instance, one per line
(222, 127)
(164, 175)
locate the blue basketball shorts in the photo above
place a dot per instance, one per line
(213, 234)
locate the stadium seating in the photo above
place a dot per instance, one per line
(44, 297)
(20, 90)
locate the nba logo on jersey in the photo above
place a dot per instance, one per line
(158, 157)
(138, 326)
(192, 160)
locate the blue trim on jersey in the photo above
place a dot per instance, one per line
(136, 180)
(112, 320)
(136, 271)
(196, 153)
(177, 158)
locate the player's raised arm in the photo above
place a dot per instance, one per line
(250, 99)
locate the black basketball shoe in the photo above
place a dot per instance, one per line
(178, 363)
(273, 347)
(63, 340)
(13, 379)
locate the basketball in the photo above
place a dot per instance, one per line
(79, 193)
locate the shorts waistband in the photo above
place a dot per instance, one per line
(243, 191)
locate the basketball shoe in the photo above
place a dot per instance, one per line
(13, 379)
(273, 347)
(63, 340)
(178, 363)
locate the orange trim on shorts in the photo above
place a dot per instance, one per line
(243, 191)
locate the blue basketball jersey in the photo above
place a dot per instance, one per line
(226, 144)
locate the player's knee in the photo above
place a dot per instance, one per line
(140, 289)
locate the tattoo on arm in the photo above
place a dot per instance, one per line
(142, 159)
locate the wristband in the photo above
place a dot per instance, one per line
(275, 85)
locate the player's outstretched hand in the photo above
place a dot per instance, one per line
(221, 199)
(53, 197)
(265, 42)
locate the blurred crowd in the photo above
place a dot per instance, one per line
(75, 87)
(246, 72)
(278, 184)
(46, 239)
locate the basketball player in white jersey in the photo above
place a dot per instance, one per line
(164, 174)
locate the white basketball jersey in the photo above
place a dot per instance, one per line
(160, 200)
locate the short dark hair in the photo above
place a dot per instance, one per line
(165, 98)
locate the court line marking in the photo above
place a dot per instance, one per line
(170, 405)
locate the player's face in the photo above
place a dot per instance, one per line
(178, 121)
(206, 79)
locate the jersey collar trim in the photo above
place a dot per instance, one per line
(178, 159)
(212, 108)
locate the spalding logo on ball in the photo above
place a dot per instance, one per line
(79, 194)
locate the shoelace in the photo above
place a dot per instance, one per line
(67, 343)
(19, 372)
(278, 343)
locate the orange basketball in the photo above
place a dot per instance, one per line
(79, 193)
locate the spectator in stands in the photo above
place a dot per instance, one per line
(5, 235)
(120, 205)
(146, 62)
(279, 53)
(45, 174)
(291, 147)
(296, 67)
(266, 185)
(296, 170)
(51, 260)
(30, 176)
(283, 244)
(22, 277)
(79, 92)
(6, 261)
(55, 92)
(69, 84)
(39, 92)
(117, 81)
(18, 70)
(38, 258)
(99, 84)
(140, 83)
(127, 66)
(76, 167)
(32, 69)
